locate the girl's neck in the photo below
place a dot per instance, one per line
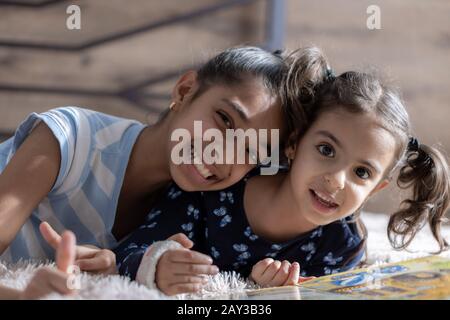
(276, 208)
(148, 167)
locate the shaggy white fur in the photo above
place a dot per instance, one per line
(231, 284)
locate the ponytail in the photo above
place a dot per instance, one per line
(426, 171)
(307, 69)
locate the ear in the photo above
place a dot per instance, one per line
(383, 184)
(291, 146)
(185, 87)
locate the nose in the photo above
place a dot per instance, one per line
(336, 180)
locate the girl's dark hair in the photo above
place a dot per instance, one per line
(307, 71)
(284, 73)
(422, 168)
(235, 65)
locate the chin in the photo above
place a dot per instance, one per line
(183, 184)
(318, 220)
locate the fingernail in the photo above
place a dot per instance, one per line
(215, 269)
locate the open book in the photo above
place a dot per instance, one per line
(423, 278)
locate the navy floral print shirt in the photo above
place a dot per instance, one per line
(217, 224)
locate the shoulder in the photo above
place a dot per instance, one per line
(79, 132)
(89, 125)
(104, 130)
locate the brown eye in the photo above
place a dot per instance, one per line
(326, 150)
(225, 119)
(362, 173)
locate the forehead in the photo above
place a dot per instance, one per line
(361, 135)
(261, 108)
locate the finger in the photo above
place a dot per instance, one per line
(182, 239)
(66, 251)
(53, 239)
(184, 288)
(186, 279)
(281, 275)
(294, 274)
(270, 272)
(304, 279)
(50, 235)
(259, 268)
(99, 262)
(195, 269)
(86, 251)
(189, 256)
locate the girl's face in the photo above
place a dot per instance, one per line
(340, 161)
(246, 105)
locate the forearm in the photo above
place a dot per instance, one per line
(10, 223)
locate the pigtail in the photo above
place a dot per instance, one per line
(306, 71)
(426, 171)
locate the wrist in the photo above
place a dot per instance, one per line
(146, 273)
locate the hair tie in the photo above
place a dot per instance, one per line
(330, 76)
(277, 52)
(413, 144)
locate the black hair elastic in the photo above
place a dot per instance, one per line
(413, 144)
(277, 52)
(330, 76)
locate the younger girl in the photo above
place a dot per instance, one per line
(97, 175)
(359, 134)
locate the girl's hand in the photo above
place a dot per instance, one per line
(273, 273)
(87, 258)
(49, 280)
(181, 271)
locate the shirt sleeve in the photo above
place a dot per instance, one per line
(175, 211)
(71, 128)
(339, 249)
(129, 258)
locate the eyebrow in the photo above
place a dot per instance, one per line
(241, 111)
(339, 144)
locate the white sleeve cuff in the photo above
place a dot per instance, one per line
(147, 269)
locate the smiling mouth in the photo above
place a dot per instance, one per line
(323, 199)
(201, 168)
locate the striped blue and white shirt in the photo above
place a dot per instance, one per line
(95, 149)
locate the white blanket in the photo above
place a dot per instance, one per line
(116, 287)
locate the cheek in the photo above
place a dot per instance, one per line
(354, 198)
(300, 177)
(238, 171)
(305, 167)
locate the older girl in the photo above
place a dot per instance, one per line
(98, 175)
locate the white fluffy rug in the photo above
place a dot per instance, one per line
(116, 287)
